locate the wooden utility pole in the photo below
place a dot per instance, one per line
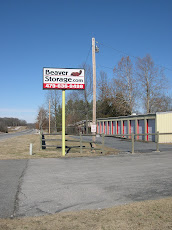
(49, 117)
(94, 88)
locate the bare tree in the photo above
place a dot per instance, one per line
(84, 95)
(3, 127)
(104, 103)
(10, 121)
(103, 86)
(162, 103)
(42, 118)
(110, 102)
(124, 82)
(54, 97)
(151, 82)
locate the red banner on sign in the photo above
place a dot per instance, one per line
(63, 86)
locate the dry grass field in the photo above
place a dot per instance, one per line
(18, 148)
(148, 215)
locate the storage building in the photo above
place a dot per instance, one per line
(139, 124)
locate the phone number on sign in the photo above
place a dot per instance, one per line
(63, 86)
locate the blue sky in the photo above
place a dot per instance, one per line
(56, 33)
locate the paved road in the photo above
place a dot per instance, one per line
(48, 186)
(16, 134)
(125, 145)
(11, 172)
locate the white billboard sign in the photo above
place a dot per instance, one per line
(55, 78)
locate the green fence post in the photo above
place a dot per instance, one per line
(40, 140)
(157, 142)
(80, 143)
(103, 142)
(132, 136)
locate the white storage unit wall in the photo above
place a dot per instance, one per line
(164, 125)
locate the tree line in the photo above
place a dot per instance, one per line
(10, 122)
(133, 87)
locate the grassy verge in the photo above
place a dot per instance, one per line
(148, 215)
(18, 148)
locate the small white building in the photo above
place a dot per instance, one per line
(138, 124)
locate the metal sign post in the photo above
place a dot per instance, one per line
(63, 122)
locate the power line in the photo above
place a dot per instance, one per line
(119, 51)
(87, 55)
(113, 68)
(105, 67)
